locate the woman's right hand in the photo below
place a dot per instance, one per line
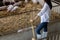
(31, 21)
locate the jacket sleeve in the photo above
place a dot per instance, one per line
(43, 10)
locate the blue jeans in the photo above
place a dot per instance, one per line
(41, 26)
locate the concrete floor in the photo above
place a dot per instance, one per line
(27, 35)
(18, 36)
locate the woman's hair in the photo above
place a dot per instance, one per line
(49, 3)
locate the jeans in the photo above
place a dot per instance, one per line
(41, 26)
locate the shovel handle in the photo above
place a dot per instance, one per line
(33, 31)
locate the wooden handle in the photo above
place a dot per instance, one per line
(33, 31)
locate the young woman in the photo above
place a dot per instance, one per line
(44, 14)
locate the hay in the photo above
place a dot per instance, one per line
(11, 22)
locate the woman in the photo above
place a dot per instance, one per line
(44, 14)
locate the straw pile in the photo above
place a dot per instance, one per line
(11, 22)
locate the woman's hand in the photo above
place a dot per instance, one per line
(34, 19)
(31, 21)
